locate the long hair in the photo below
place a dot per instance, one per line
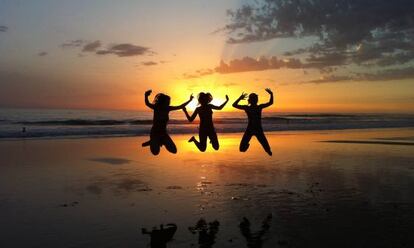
(162, 100)
(204, 98)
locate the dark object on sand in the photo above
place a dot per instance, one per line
(206, 232)
(255, 239)
(160, 237)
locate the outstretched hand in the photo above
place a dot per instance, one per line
(269, 91)
(148, 92)
(191, 97)
(227, 97)
(243, 96)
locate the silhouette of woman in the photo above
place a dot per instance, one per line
(159, 135)
(254, 126)
(206, 129)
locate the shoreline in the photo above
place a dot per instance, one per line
(173, 134)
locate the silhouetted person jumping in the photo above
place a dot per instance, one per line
(206, 129)
(254, 114)
(159, 135)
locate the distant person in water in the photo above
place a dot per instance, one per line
(254, 126)
(159, 135)
(206, 129)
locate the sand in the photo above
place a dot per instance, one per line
(349, 188)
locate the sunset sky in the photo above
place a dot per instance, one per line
(105, 54)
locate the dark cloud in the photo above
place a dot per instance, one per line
(91, 46)
(383, 75)
(125, 50)
(121, 50)
(263, 63)
(374, 33)
(149, 63)
(247, 64)
(387, 75)
(42, 54)
(3, 29)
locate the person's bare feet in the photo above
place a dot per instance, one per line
(192, 139)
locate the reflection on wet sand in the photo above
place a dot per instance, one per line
(160, 237)
(320, 194)
(255, 239)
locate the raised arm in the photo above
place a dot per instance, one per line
(222, 105)
(182, 105)
(147, 102)
(236, 103)
(265, 105)
(192, 117)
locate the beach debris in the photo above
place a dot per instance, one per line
(206, 232)
(255, 239)
(160, 237)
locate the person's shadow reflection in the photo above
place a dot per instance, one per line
(255, 239)
(160, 237)
(206, 232)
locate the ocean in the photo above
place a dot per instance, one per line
(55, 123)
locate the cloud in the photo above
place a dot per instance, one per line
(125, 50)
(248, 64)
(383, 75)
(3, 29)
(91, 46)
(121, 50)
(350, 31)
(42, 54)
(73, 43)
(149, 63)
(331, 79)
(388, 75)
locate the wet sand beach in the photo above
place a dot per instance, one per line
(351, 188)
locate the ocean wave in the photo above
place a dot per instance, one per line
(65, 123)
(80, 122)
(140, 130)
(109, 122)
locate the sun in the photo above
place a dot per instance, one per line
(208, 84)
